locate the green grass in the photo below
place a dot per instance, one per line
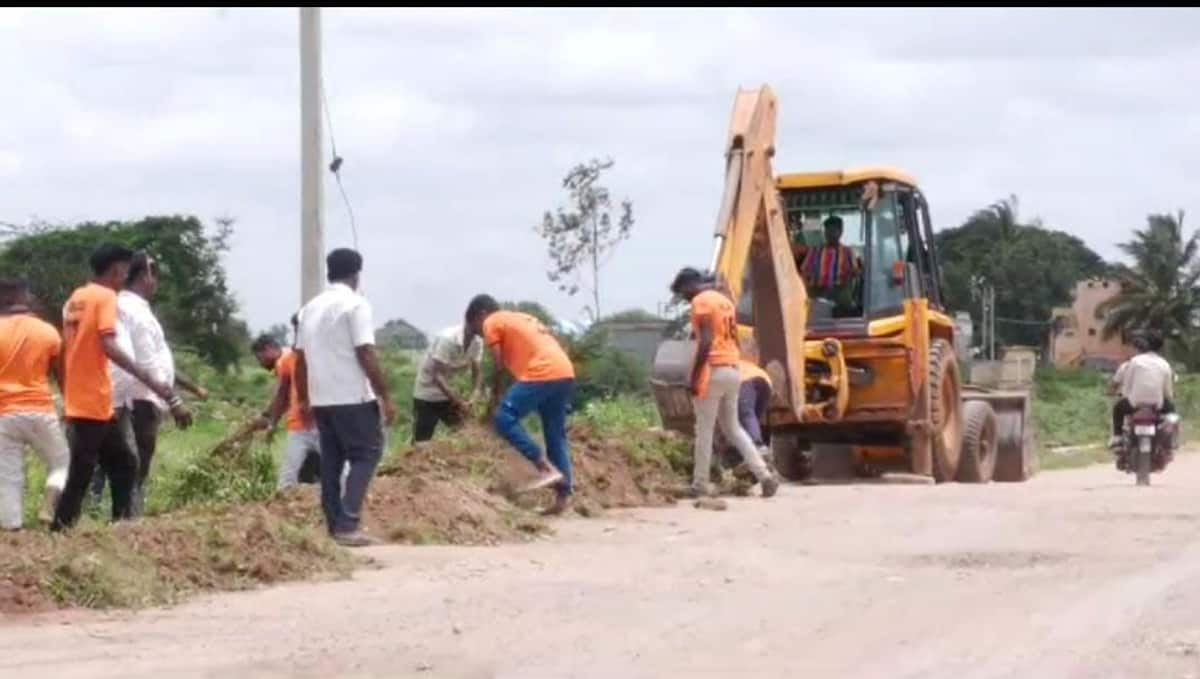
(1072, 409)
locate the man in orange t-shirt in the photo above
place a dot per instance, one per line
(301, 455)
(29, 351)
(99, 432)
(545, 382)
(715, 380)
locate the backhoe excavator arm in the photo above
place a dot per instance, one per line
(750, 237)
(751, 234)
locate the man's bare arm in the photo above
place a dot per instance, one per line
(439, 378)
(56, 372)
(497, 374)
(369, 362)
(279, 403)
(476, 379)
(300, 374)
(187, 383)
(704, 346)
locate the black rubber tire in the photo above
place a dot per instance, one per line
(790, 461)
(977, 463)
(1019, 465)
(945, 411)
(1143, 467)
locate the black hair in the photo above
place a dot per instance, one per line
(834, 220)
(262, 342)
(139, 264)
(1139, 342)
(1154, 340)
(11, 290)
(687, 276)
(480, 304)
(342, 263)
(104, 257)
(296, 320)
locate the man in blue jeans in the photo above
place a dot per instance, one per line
(545, 383)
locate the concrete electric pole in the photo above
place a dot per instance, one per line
(312, 161)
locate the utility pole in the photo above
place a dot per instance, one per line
(312, 189)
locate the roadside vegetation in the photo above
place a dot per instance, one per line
(1071, 409)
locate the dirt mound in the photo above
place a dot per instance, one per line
(159, 560)
(460, 490)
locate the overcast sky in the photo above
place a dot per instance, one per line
(457, 126)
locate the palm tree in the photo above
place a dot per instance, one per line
(1160, 289)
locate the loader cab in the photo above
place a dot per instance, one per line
(886, 227)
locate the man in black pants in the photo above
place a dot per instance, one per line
(434, 400)
(338, 379)
(149, 351)
(97, 432)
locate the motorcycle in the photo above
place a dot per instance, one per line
(1148, 443)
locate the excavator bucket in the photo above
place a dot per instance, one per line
(752, 247)
(672, 393)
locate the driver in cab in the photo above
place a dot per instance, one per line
(829, 270)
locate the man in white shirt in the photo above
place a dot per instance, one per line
(1145, 379)
(433, 399)
(141, 335)
(338, 378)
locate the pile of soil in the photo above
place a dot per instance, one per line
(463, 490)
(162, 559)
(457, 490)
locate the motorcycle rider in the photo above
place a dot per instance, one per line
(1145, 379)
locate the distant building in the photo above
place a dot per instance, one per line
(639, 338)
(1077, 335)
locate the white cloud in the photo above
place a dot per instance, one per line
(457, 126)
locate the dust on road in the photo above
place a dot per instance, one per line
(1074, 574)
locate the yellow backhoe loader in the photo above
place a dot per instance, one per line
(866, 379)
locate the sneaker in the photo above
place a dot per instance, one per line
(700, 490)
(547, 477)
(354, 539)
(770, 486)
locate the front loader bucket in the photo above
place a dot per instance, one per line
(670, 383)
(1016, 440)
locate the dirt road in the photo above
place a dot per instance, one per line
(1076, 574)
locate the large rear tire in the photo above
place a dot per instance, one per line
(790, 459)
(1143, 467)
(945, 411)
(978, 460)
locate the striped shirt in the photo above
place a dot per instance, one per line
(828, 266)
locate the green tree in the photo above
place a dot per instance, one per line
(402, 335)
(600, 371)
(631, 316)
(281, 333)
(583, 233)
(194, 303)
(1031, 268)
(534, 309)
(1159, 287)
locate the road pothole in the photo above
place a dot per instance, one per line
(1006, 560)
